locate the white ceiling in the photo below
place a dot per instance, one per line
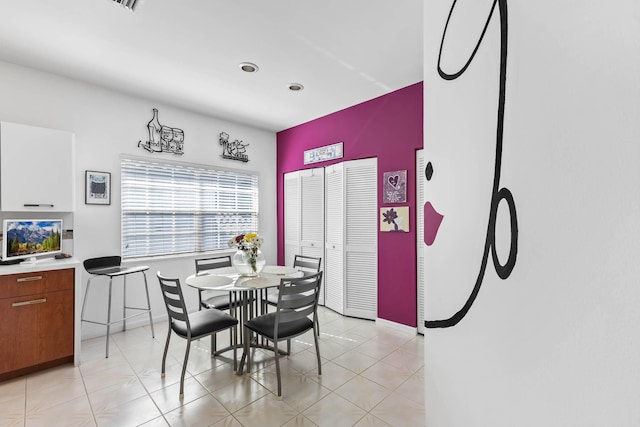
(186, 52)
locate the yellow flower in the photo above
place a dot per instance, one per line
(250, 236)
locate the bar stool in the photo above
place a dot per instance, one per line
(110, 266)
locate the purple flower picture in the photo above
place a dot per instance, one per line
(394, 219)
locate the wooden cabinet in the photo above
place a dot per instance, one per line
(37, 169)
(36, 321)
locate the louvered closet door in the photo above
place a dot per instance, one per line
(292, 203)
(361, 238)
(312, 216)
(420, 201)
(334, 237)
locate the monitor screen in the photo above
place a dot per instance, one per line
(27, 238)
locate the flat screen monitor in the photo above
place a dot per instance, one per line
(30, 238)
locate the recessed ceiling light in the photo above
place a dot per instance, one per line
(248, 67)
(296, 87)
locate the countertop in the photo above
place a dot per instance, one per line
(39, 265)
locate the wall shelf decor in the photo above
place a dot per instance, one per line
(97, 190)
(233, 150)
(162, 138)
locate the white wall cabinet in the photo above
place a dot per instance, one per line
(37, 169)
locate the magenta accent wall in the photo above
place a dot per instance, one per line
(389, 128)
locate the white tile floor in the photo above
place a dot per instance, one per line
(371, 376)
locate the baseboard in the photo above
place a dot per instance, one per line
(397, 326)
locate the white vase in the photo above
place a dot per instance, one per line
(248, 263)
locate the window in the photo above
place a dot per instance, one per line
(171, 208)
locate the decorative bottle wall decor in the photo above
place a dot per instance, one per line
(162, 138)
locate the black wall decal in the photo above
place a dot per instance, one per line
(498, 194)
(233, 150)
(162, 138)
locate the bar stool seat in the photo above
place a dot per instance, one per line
(110, 266)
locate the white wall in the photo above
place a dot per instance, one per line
(557, 343)
(108, 124)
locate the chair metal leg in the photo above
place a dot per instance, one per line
(234, 341)
(184, 367)
(146, 288)
(109, 317)
(124, 303)
(166, 349)
(277, 355)
(315, 339)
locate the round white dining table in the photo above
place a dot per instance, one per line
(239, 287)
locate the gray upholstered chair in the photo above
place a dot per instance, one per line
(192, 326)
(208, 299)
(297, 300)
(306, 264)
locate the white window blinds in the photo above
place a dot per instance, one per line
(173, 209)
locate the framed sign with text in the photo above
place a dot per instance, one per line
(322, 154)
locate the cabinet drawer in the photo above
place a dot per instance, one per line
(15, 285)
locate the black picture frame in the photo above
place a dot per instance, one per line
(97, 188)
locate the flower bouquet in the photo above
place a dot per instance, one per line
(248, 253)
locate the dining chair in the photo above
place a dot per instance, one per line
(212, 299)
(297, 300)
(306, 264)
(221, 301)
(190, 326)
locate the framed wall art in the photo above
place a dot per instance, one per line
(97, 188)
(395, 187)
(394, 219)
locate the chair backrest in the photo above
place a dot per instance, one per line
(203, 264)
(307, 264)
(102, 262)
(174, 300)
(298, 298)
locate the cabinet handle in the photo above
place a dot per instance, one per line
(29, 279)
(38, 205)
(35, 301)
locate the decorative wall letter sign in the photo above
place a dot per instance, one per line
(162, 138)
(233, 150)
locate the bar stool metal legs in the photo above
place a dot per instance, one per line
(125, 307)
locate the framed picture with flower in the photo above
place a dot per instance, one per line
(394, 219)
